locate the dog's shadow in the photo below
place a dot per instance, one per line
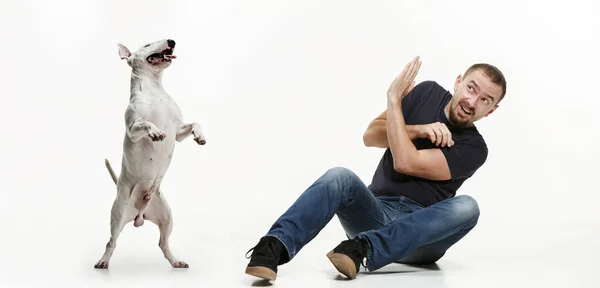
(127, 268)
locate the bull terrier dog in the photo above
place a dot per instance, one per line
(153, 124)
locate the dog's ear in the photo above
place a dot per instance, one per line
(124, 53)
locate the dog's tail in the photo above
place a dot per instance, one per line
(110, 171)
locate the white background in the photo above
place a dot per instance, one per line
(284, 91)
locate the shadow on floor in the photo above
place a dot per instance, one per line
(261, 283)
(402, 268)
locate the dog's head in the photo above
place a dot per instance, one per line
(154, 56)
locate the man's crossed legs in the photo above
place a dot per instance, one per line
(381, 229)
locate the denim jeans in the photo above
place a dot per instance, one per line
(398, 229)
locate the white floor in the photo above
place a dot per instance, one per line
(494, 255)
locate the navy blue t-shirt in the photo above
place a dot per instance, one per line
(425, 104)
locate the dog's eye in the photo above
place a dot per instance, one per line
(146, 45)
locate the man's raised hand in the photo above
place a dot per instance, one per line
(404, 82)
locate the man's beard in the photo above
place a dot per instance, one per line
(456, 119)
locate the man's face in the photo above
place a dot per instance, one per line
(475, 97)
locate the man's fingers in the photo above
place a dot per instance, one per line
(436, 130)
(408, 69)
(439, 137)
(443, 136)
(405, 71)
(415, 65)
(411, 68)
(447, 139)
(431, 136)
(414, 69)
(402, 75)
(404, 82)
(448, 135)
(444, 141)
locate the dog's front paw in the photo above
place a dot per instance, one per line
(180, 264)
(156, 135)
(200, 140)
(101, 265)
(198, 136)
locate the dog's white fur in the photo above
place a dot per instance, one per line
(154, 124)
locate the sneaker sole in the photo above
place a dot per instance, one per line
(261, 272)
(343, 264)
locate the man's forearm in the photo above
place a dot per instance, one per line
(376, 134)
(401, 146)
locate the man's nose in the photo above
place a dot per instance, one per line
(472, 101)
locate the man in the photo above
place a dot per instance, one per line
(410, 213)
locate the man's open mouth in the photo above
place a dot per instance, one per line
(165, 55)
(466, 111)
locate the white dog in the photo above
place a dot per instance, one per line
(153, 124)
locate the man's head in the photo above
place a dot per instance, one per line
(152, 57)
(476, 94)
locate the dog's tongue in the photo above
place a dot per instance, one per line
(170, 56)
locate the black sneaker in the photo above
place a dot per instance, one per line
(267, 255)
(348, 256)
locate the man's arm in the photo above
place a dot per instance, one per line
(428, 163)
(376, 133)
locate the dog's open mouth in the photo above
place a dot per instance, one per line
(164, 56)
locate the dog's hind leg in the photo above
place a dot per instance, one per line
(119, 217)
(159, 213)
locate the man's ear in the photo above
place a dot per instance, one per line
(457, 82)
(124, 53)
(492, 110)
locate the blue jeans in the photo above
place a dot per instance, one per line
(398, 229)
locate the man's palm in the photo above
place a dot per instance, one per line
(405, 82)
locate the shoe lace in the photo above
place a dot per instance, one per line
(364, 263)
(262, 249)
(251, 249)
(362, 252)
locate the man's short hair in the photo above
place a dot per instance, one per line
(491, 71)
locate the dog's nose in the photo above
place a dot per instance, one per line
(171, 43)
